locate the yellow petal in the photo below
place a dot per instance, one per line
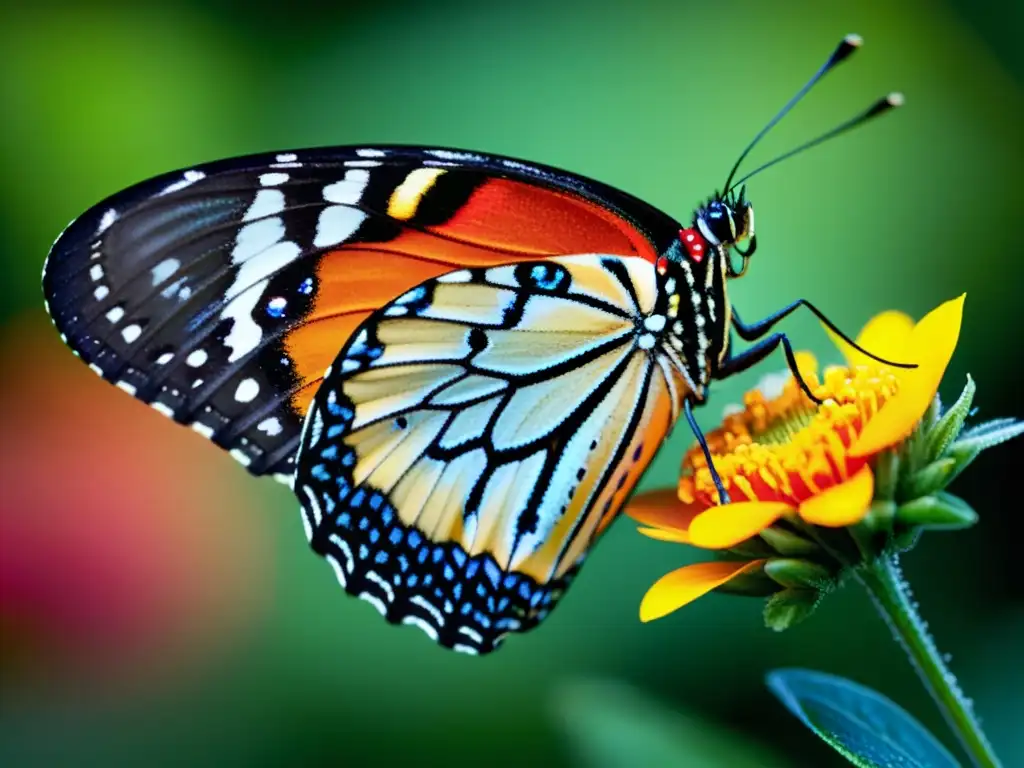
(843, 504)
(931, 345)
(663, 534)
(726, 525)
(674, 590)
(885, 335)
(662, 509)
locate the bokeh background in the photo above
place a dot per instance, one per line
(159, 607)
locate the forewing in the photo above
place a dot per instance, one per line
(220, 294)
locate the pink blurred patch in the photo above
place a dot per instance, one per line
(131, 550)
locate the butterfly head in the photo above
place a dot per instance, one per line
(724, 222)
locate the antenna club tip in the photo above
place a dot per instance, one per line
(853, 40)
(895, 99)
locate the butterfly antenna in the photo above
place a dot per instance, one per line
(849, 44)
(880, 107)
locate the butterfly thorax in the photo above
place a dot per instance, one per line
(691, 283)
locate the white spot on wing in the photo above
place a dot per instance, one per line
(330, 558)
(388, 591)
(259, 254)
(96, 272)
(247, 391)
(472, 634)
(446, 154)
(271, 426)
(337, 223)
(375, 602)
(416, 621)
(370, 153)
(429, 608)
(346, 550)
(654, 323)
(203, 429)
(164, 270)
(161, 408)
(287, 157)
(196, 358)
(268, 202)
(131, 332)
(314, 505)
(273, 179)
(459, 276)
(101, 292)
(165, 358)
(316, 427)
(107, 220)
(190, 177)
(240, 457)
(129, 388)
(349, 190)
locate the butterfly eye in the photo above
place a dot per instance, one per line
(719, 222)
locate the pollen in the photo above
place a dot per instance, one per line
(787, 448)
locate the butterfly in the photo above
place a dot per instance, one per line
(461, 363)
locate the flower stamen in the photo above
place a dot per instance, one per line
(788, 448)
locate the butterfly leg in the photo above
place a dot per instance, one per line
(723, 495)
(757, 330)
(758, 352)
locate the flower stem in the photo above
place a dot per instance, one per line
(891, 594)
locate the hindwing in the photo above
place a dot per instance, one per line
(477, 434)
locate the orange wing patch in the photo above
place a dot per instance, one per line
(514, 215)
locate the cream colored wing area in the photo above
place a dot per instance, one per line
(508, 410)
(529, 414)
(592, 478)
(641, 442)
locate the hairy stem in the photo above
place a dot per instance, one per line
(884, 582)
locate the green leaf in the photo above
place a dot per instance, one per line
(793, 572)
(789, 607)
(940, 510)
(887, 472)
(985, 436)
(931, 478)
(863, 726)
(951, 424)
(963, 455)
(880, 515)
(788, 543)
(612, 725)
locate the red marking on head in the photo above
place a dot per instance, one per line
(661, 265)
(694, 243)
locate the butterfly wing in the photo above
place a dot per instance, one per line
(477, 434)
(220, 294)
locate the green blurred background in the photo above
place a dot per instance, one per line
(158, 607)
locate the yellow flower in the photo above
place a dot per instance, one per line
(786, 458)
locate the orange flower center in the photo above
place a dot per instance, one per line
(788, 448)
